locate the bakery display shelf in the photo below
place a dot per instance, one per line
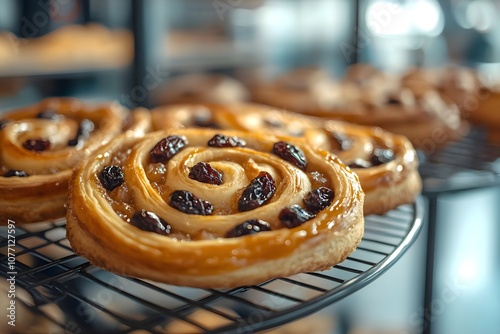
(71, 293)
(470, 163)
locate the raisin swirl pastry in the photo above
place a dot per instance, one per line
(369, 97)
(202, 87)
(212, 208)
(41, 143)
(386, 164)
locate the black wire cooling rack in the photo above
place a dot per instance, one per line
(469, 163)
(77, 297)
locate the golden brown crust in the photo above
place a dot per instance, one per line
(388, 177)
(43, 193)
(197, 252)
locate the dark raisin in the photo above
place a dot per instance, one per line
(344, 142)
(318, 199)
(248, 227)
(393, 100)
(4, 122)
(36, 145)
(150, 222)
(360, 163)
(203, 121)
(14, 172)
(48, 114)
(382, 156)
(74, 142)
(166, 148)
(294, 216)
(258, 192)
(225, 141)
(111, 177)
(84, 129)
(291, 154)
(205, 173)
(186, 202)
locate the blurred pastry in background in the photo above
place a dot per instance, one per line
(477, 98)
(201, 87)
(70, 47)
(461, 85)
(368, 97)
(9, 46)
(487, 113)
(301, 90)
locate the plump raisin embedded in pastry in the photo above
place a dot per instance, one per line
(37, 145)
(318, 199)
(149, 221)
(111, 177)
(294, 216)
(382, 156)
(205, 173)
(13, 172)
(258, 192)
(189, 213)
(379, 157)
(225, 141)
(291, 154)
(166, 148)
(186, 202)
(249, 227)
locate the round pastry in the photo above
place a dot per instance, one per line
(386, 164)
(427, 119)
(40, 144)
(79, 46)
(202, 87)
(211, 208)
(461, 85)
(300, 90)
(487, 114)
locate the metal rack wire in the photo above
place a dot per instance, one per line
(468, 164)
(93, 300)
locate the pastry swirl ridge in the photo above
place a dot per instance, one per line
(40, 144)
(209, 242)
